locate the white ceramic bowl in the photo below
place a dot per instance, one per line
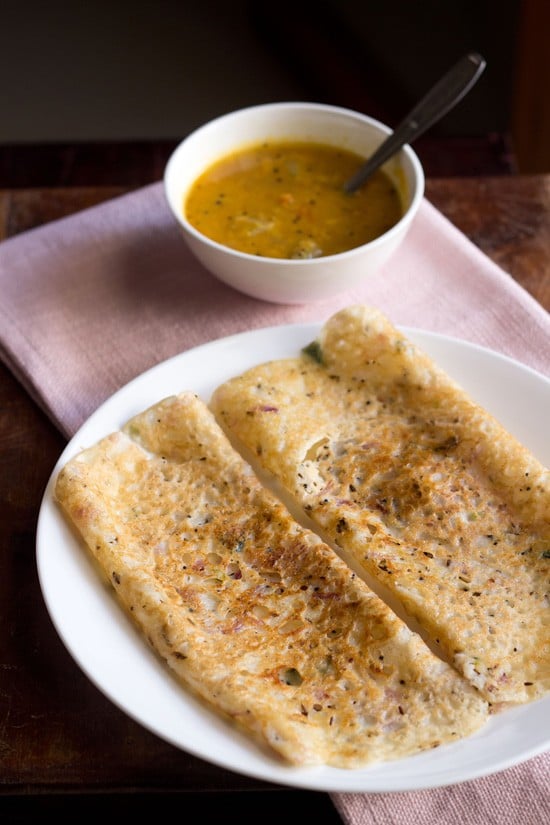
(279, 280)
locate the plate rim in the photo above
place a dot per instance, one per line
(305, 778)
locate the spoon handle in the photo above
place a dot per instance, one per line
(437, 102)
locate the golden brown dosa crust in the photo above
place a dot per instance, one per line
(417, 486)
(251, 611)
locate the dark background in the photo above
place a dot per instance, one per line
(113, 71)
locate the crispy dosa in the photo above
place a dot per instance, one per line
(251, 611)
(419, 488)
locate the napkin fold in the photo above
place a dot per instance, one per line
(517, 796)
(91, 301)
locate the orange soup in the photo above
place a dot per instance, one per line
(286, 200)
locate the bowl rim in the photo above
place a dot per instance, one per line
(397, 228)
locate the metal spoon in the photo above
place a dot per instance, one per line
(437, 102)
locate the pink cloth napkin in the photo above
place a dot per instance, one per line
(91, 301)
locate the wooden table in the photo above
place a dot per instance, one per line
(62, 743)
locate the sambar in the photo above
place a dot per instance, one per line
(286, 199)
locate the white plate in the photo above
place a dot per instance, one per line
(111, 653)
